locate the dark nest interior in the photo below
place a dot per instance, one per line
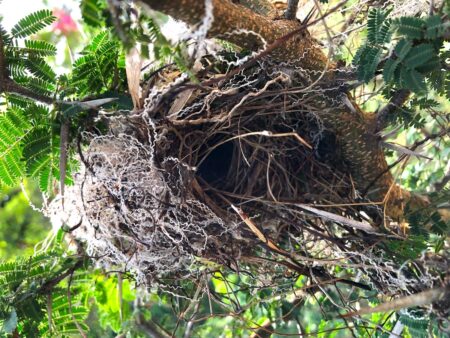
(235, 168)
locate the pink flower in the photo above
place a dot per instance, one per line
(64, 22)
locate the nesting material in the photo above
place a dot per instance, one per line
(157, 195)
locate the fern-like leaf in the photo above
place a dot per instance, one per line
(389, 69)
(41, 153)
(13, 128)
(41, 69)
(402, 48)
(410, 26)
(433, 64)
(32, 23)
(155, 34)
(94, 72)
(367, 61)
(4, 35)
(37, 85)
(98, 41)
(417, 326)
(17, 101)
(378, 26)
(413, 80)
(17, 70)
(435, 27)
(419, 55)
(39, 48)
(91, 11)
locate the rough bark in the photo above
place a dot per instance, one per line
(356, 130)
(229, 18)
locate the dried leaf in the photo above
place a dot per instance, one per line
(133, 64)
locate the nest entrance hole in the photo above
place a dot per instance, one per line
(215, 168)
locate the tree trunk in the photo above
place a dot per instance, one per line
(355, 130)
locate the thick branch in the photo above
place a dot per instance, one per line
(291, 11)
(235, 23)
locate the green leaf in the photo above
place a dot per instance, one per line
(417, 326)
(13, 128)
(37, 85)
(434, 64)
(409, 26)
(39, 48)
(402, 48)
(437, 80)
(413, 80)
(439, 225)
(17, 70)
(41, 69)
(384, 35)
(4, 35)
(32, 23)
(94, 72)
(424, 103)
(419, 55)
(368, 63)
(91, 12)
(41, 153)
(98, 41)
(435, 27)
(155, 34)
(389, 69)
(377, 26)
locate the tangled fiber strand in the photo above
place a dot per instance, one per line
(138, 216)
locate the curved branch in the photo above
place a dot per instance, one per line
(249, 30)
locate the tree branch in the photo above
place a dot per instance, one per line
(291, 11)
(397, 101)
(245, 28)
(9, 86)
(438, 186)
(2, 64)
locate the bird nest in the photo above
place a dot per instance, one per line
(236, 168)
